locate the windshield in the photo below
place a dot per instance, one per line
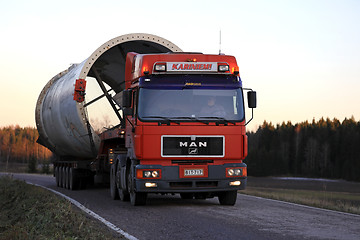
(190, 104)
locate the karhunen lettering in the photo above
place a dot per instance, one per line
(191, 66)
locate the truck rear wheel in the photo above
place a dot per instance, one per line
(113, 187)
(228, 198)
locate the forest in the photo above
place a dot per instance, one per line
(322, 149)
(18, 145)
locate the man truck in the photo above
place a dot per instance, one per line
(181, 122)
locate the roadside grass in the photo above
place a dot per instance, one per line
(30, 212)
(339, 201)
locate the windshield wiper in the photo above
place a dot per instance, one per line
(165, 119)
(191, 118)
(221, 119)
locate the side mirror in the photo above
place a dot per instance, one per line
(126, 98)
(251, 96)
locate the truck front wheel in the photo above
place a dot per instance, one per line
(136, 198)
(228, 198)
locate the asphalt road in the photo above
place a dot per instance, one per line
(169, 217)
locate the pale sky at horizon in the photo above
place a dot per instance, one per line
(302, 56)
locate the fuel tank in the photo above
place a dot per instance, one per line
(61, 110)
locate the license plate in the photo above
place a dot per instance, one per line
(193, 172)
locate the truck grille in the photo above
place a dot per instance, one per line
(192, 146)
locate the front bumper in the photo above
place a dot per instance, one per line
(172, 182)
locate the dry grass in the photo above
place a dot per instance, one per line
(29, 212)
(339, 201)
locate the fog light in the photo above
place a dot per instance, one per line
(150, 185)
(235, 183)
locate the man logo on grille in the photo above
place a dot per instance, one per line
(193, 151)
(193, 144)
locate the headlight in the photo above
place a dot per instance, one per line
(230, 172)
(147, 174)
(155, 174)
(236, 172)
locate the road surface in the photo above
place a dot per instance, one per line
(169, 217)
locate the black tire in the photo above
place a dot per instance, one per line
(67, 178)
(82, 182)
(61, 176)
(113, 186)
(73, 179)
(228, 198)
(56, 171)
(124, 195)
(186, 195)
(136, 198)
(90, 180)
(63, 171)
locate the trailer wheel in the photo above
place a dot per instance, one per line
(61, 177)
(228, 198)
(56, 171)
(113, 188)
(136, 198)
(67, 178)
(73, 179)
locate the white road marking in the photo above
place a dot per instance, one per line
(300, 205)
(91, 213)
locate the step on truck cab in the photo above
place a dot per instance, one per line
(184, 128)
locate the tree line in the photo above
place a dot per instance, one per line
(18, 145)
(324, 148)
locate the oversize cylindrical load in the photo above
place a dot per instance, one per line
(61, 114)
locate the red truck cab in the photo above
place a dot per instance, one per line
(185, 127)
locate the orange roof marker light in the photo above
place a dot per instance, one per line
(235, 70)
(145, 70)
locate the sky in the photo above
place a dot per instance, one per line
(302, 57)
